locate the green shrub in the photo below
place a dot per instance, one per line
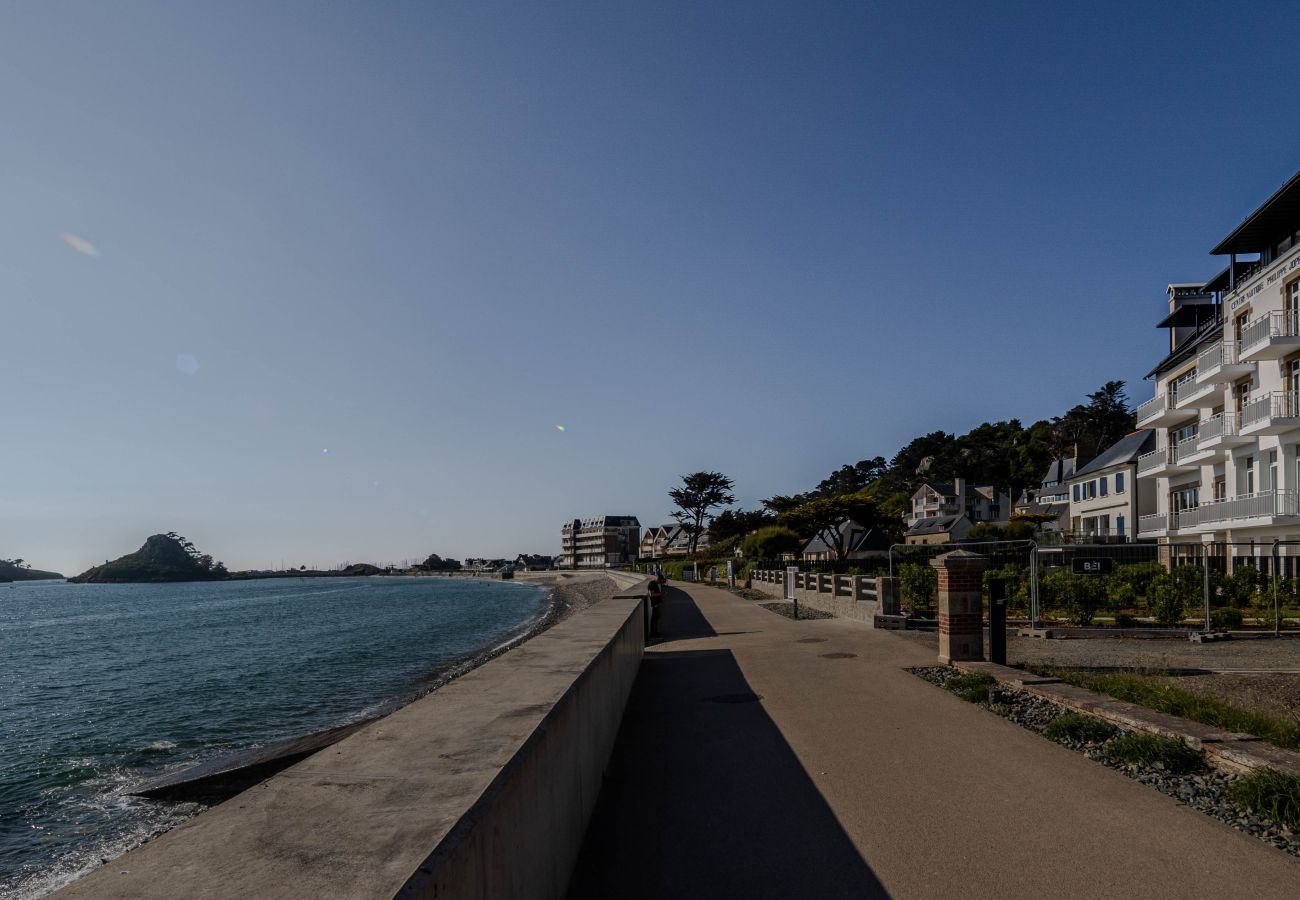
(1235, 589)
(971, 686)
(1225, 618)
(1271, 794)
(1078, 727)
(1138, 576)
(1155, 750)
(919, 585)
(1079, 595)
(1167, 600)
(1125, 620)
(1121, 596)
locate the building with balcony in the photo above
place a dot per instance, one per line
(1225, 465)
(978, 503)
(1106, 498)
(599, 542)
(1052, 496)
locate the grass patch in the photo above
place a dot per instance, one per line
(972, 687)
(1271, 794)
(1078, 727)
(1154, 749)
(1185, 704)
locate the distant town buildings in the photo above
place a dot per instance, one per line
(978, 503)
(598, 542)
(669, 540)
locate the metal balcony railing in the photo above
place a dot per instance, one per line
(1275, 405)
(1264, 504)
(1157, 522)
(1184, 384)
(1222, 425)
(1153, 460)
(1153, 407)
(1269, 326)
(1216, 356)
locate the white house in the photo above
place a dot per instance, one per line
(1106, 498)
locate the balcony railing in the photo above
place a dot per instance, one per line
(1184, 383)
(1153, 460)
(1166, 456)
(1269, 326)
(1157, 522)
(1264, 504)
(1275, 405)
(1222, 425)
(1153, 407)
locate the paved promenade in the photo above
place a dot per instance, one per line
(853, 778)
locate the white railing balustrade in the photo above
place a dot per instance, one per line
(1148, 462)
(1157, 522)
(1183, 449)
(1269, 326)
(1184, 385)
(1222, 425)
(1153, 407)
(1275, 405)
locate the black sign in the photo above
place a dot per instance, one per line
(1093, 566)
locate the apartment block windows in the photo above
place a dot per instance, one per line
(1246, 476)
(1241, 395)
(1119, 525)
(1183, 498)
(1271, 473)
(1102, 482)
(1119, 482)
(1077, 493)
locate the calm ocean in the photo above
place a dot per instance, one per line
(105, 686)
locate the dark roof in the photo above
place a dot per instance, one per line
(1276, 216)
(1058, 471)
(1219, 282)
(935, 525)
(944, 488)
(1126, 450)
(858, 538)
(1191, 313)
(1210, 329)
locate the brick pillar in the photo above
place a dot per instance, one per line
(961, 605)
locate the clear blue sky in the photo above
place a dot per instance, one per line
(767, 239)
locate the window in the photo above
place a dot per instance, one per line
(1092, 488)
(1103, 485)
(1077, 498)
(1119, 525)
(1119, 482)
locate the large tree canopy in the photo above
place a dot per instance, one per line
(699, 495)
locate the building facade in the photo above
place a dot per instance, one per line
(980, 503)
(1226, 411)
(599, 542)
(1106, 499)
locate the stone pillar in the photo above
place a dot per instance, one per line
(961, 605)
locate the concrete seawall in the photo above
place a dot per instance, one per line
(483, 789)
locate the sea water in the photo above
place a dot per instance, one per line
(105, 686)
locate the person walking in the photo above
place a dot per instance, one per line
(656, 597)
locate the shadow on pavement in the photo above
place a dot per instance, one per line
(682, 618)
(704, 797)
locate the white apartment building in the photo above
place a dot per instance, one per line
(599, 541)
(1106, 499)
(981, 503)
(1226, 464)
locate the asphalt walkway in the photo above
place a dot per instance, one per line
(765, 757)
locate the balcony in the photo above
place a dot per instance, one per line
(1272, 413)
(1216, 436)
(1221, 362)
(1153, 526)
(1190, 394)
(1159, 412)
(1271, 336)
(1248, 511)
(1168, 460)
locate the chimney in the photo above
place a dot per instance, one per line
(959, 488)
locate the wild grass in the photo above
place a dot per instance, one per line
(1078, 727)
(1153, 749)
(1163, 697)
(971, 686)
(1271, 795)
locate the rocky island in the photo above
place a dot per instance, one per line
(19, 570)
(164, 557)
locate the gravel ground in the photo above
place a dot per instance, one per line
(1206, 791)
(1255, 654)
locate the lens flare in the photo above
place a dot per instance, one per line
(78, 243)
(187, 363)
(559, 427)
(326, 451)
